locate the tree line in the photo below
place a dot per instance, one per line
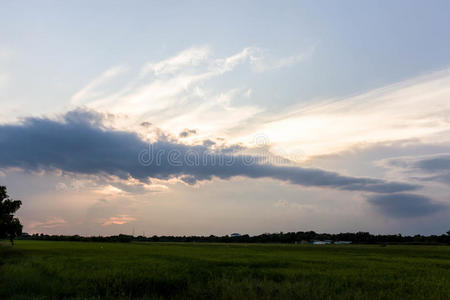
(283, 238)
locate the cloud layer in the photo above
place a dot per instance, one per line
(434, 167)
(405, 205)
(79, 143)
(413, 109)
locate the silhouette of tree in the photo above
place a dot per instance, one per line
(10, 226)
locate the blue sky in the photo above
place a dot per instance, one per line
(349, 88)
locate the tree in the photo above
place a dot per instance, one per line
(10, 226)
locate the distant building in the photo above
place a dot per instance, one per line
(235, 234)
(342, 242)
(327, 242)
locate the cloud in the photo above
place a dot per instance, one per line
(434, 167)
(187, 132)
(92, 89)
(428, 163)
(118, 220)
(61, 186)
(190, 57)
(285, 204)
(417, 108)
(405, 205)
(160, 85)
(79, 143)
(435, 164)
(262, 63)
(47, 224)
(175, 91)
(110, 190)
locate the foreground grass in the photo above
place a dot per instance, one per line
(58, 270)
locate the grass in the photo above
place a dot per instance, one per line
(77, 270)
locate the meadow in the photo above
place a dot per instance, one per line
(88, 270)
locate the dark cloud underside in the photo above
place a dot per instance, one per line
(426, 168)
(80, 144)
(405, 205)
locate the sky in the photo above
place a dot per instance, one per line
(202, 117)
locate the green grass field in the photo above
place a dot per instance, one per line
(59, 270)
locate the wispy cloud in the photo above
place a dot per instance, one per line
(173, 92)
(285, 204)
(263, 62)
(418, 108)
(48, 223)
(118, 220)
(155, 87)
(187, 58)
(92, 90)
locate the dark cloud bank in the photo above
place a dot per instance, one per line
(404, 205)
(79, 143)
(430, 168)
